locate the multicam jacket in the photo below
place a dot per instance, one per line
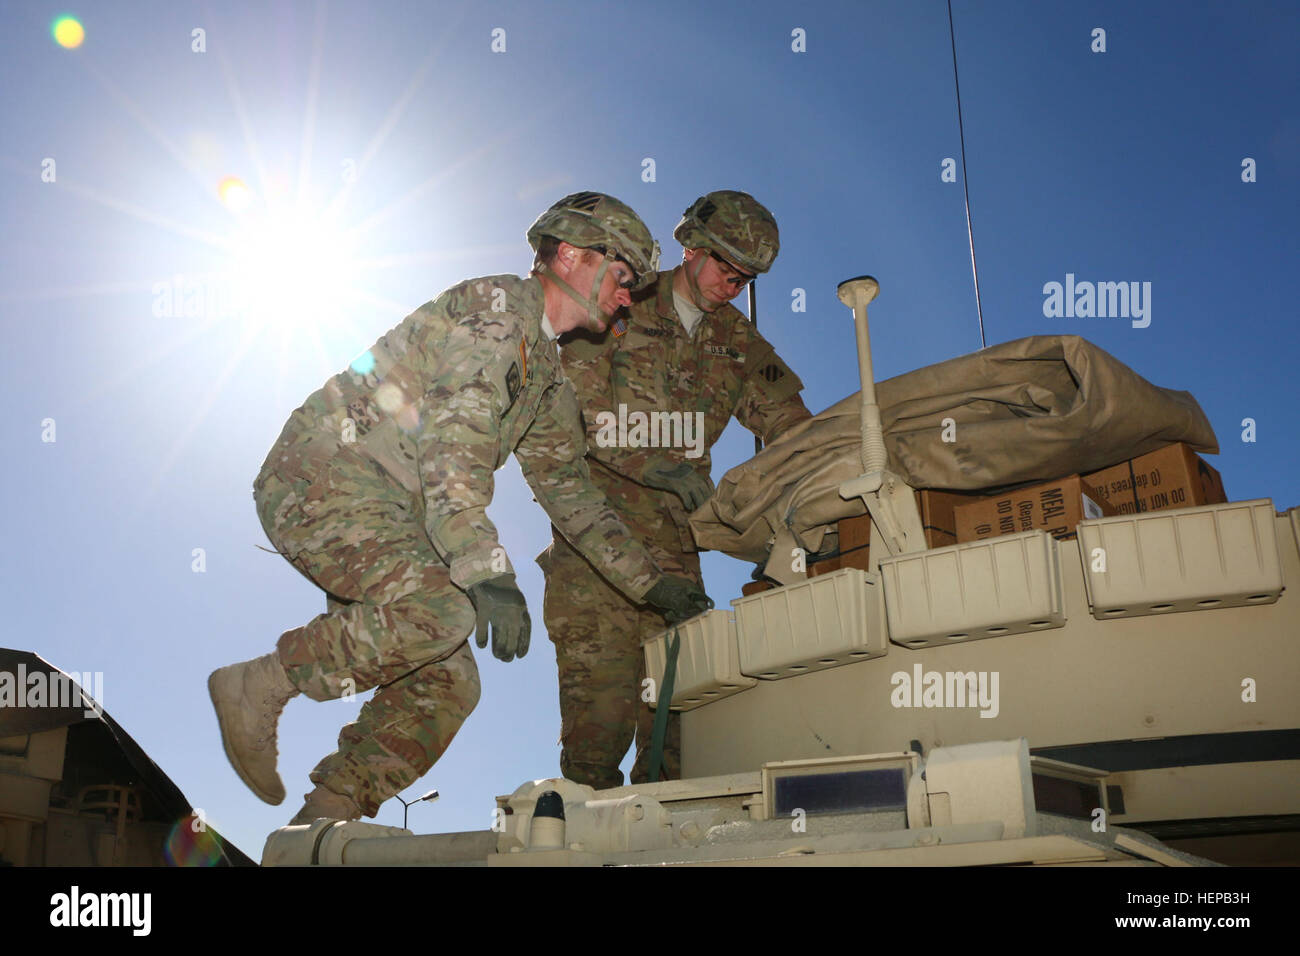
(438, 404)
(723, 368)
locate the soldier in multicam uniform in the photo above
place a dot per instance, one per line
(683, 350)
(376, 490)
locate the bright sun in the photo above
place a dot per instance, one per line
(292, 269)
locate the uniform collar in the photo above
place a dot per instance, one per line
(667, 311)
(664, 296)
(664, 310)
(536, 324)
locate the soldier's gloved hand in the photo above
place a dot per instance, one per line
(677, 598)
(680, 479)
(499, 601)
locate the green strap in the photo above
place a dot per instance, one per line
(592, 304)
(665, 699)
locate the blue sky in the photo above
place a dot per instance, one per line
(433, 154)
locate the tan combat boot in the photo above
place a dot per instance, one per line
(248, 698)
(323, 802)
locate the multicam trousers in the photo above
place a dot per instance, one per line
(394, 622)
(597, 634)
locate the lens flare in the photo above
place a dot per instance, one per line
(68, 32)
(191, 843)
(364, 363)
(234, 193)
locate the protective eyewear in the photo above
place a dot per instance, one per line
(730, 274)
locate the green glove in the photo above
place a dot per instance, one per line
(679, 478)
(499, 601)
(677, 598)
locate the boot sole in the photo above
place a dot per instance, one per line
(261, 794)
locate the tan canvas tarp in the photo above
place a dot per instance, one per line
(1028, 410)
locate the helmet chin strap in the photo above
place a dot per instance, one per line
(592, 304)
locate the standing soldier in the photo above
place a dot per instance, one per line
(684, 350)
(377, 488)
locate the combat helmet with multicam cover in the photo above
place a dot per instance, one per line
(733, 224)
(591, 220)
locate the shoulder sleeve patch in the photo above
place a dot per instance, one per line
(774, 379)
(514, 382)
(516, 376)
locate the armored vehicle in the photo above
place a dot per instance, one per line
(1124, 695)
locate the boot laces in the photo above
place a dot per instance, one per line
(269, 717)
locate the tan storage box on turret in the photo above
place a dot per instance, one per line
(834, 619)
(964, 592)
(708, 661)
(1187, 560)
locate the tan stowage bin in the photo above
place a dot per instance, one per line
(1005, 585)
(1192, 559)
(708, 661)
(834, 619)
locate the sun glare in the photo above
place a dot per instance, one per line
(293, 270)
(234, 193)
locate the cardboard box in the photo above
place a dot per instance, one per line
(1053, 506)
(854, 532)
(824, 566)
(937, 518)
(1168, 478)
(859, 558)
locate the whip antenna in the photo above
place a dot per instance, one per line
(970, 233)
(753, 317)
